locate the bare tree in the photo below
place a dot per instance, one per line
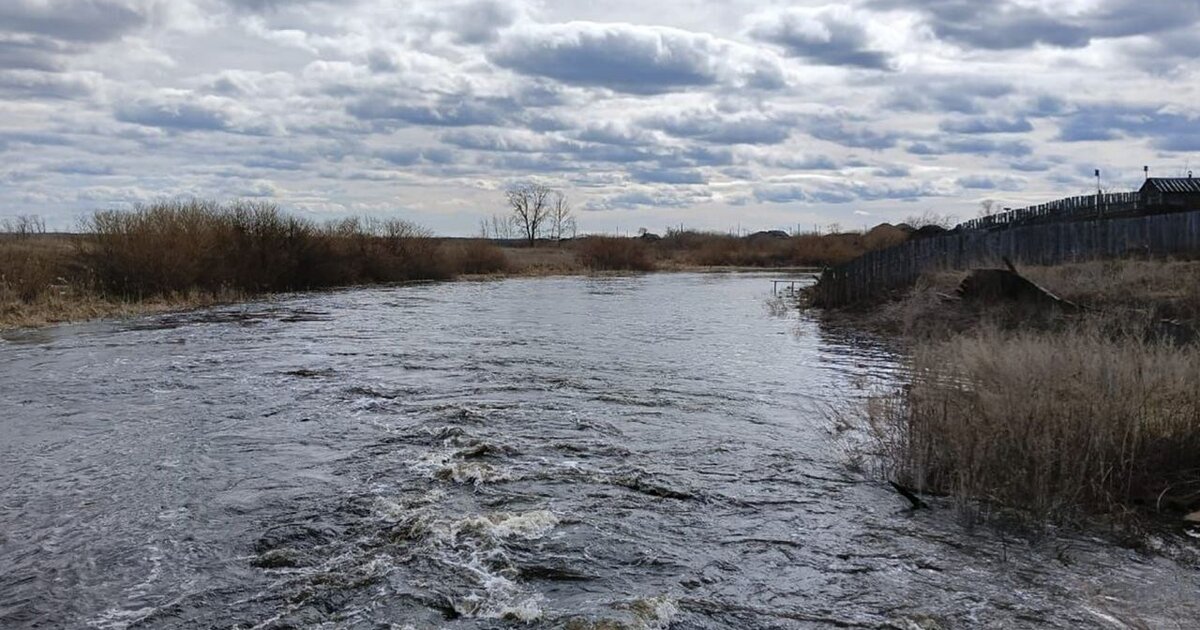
(988, 207)
(930, 217)
(496, 227)
(531, 206)
(561, 221)
(23, 225)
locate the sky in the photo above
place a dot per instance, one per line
(645, 113)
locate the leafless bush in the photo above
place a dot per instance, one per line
(200, 245)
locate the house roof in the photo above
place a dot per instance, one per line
(1173, 185)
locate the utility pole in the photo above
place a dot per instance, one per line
(1097, 192)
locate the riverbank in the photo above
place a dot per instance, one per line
(1062, 413)
(181, 255)
(47, 288)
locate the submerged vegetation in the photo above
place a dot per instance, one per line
(1061, 415)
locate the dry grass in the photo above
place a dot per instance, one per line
(1138, 290)
(543, 260)
(1058, 415)
(476, 257)
(32, 266)
(72, 305)
(607, 253)
(1162, 289)
(1058, 424)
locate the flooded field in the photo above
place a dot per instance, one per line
(627, 452)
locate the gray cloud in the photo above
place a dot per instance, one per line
(959, 94)
(412, 157)
(475, 21)
(970, 145)
(611, 133)
(33, 84)
(1007, 25)
(82, 168)
(662, 197)
(445, 112)
(712, 126)
(841, 192)
(1168, 131)
(991, 182)
(668, 176)
(493, 140)
(832, 35)
(859, 137)
(780, 193)
(73, 20)
(32, 53)
(986, 124)
(632, 59)
(177, 116)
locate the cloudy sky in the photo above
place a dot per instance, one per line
(647, 113)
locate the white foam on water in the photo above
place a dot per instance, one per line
(476, 473)
(447, 467)
(501, 525)
(474, 544)
(654, 613)
(119, 619)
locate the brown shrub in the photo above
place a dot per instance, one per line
(713, 249)
(200, 245)
(608, 253)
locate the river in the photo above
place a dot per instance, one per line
(620, 452)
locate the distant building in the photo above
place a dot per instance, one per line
(1178, 193)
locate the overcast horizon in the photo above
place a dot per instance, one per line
(710, 115)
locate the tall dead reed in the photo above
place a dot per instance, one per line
(1057, 423)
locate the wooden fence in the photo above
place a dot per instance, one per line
(878, 273)
(1071, 208)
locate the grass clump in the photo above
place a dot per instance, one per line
(1057, 423)
(608, 253)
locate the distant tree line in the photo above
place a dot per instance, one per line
(23, 225)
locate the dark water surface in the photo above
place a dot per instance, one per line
(649, 452)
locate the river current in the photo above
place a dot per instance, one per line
(621, 452)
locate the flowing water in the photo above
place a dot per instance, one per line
(630, 452)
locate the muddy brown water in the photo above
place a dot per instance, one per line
(642, 452)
